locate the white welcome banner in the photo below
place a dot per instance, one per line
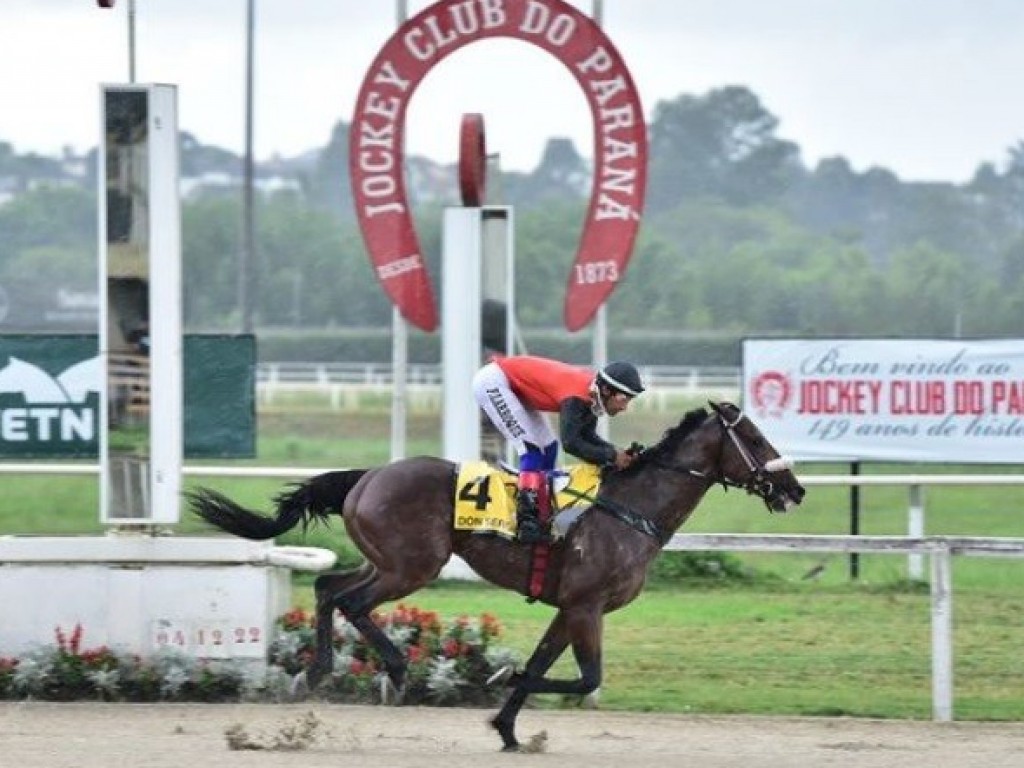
(917, 400)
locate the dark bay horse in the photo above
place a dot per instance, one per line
(400, 517)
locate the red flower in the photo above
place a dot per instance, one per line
(295, 619)
(69, 646)
(97, 657)
(428, 621)
(452, 648)
(358, 668)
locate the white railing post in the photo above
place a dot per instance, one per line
(915, 529)
(942, 634)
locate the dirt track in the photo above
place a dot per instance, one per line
(42, 735)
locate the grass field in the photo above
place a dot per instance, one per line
(787, 649)
(781, 644)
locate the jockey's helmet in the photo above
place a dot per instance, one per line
(622, 377)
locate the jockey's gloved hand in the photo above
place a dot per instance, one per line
(623, 459)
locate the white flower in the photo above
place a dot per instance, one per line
(105, 680)
(287, 645)
(443, 681)
(348, 633)
(342, 659)
(173, 681)
(497, 657)
(32, 672)
(399, 635)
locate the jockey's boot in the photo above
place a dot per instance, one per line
(529, 529)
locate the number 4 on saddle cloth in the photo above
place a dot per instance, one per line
(485, 497)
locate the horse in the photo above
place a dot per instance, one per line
(400, 517)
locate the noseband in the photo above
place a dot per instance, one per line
(758, 482)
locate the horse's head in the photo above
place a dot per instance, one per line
(747, 460)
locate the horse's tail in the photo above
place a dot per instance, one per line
(311, 501)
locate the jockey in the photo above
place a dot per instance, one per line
(517, 392)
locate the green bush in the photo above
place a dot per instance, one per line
(673, 567)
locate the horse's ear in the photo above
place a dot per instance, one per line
(715, 407)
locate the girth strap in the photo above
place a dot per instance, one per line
(634, 520)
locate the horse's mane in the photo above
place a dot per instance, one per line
(675, 435)
(671, 439)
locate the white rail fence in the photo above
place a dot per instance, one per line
(939, 548)
(916, 498)
(345, 383)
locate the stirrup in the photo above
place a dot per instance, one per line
(530, 531)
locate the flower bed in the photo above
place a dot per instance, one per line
(449, 664)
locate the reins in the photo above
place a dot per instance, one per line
(757, 484)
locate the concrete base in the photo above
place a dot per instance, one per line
(214, 598)
(457, 569)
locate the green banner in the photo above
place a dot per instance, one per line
(50, 388)
(220, 396)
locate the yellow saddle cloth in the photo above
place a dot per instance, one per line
(485, 496)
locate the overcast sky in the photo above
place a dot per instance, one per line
(927, 88)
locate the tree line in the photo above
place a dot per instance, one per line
(739, 237)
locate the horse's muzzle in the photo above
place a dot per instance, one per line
(783, 498)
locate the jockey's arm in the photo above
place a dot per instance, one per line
(578, 428)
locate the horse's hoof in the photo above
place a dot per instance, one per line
(507, 733)
(500, 677)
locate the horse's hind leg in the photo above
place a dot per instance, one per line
(327, 587)
(356, 599)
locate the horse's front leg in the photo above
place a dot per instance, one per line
(581, 627)
(551, 646)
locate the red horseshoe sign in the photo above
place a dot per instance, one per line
(620, 144)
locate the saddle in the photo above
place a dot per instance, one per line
(485, 503)
(485, 498)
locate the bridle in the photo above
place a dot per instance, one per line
(758, 481)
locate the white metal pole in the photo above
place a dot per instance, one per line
(399, 340)
(103, 331)
(599, 351)
(246, 260)
(461, 266)
(400, 385)
(942, 635)
(166, 417)
(131, 41)
(599, 355)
